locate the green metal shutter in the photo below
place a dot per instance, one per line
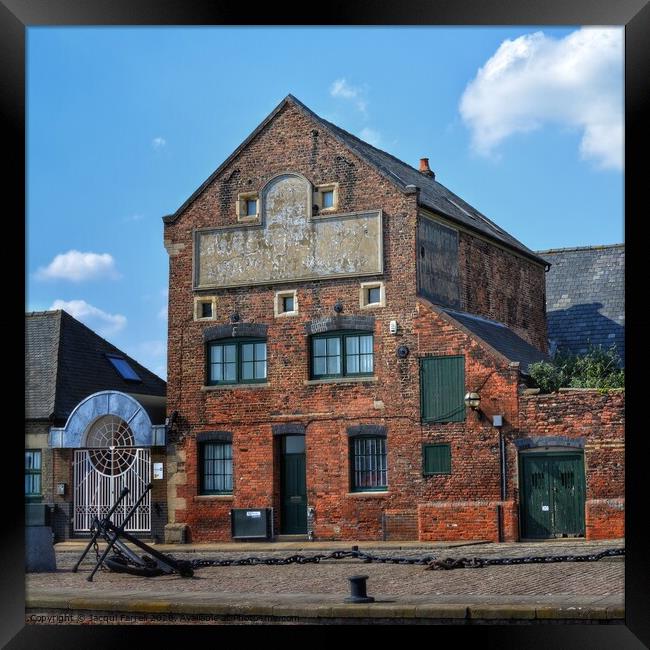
(442, 389)
(437, 459)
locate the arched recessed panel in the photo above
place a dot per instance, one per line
(289, 243)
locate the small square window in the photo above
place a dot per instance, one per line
(374, 295)
(328, 199)
(206, 310)
(287, 303)
(251, 207)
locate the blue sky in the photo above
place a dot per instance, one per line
(123, 124)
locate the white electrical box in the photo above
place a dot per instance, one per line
(392, 327)
(497, 420)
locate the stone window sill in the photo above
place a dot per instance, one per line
(213, 497)
(234, 386)
(339, 380)
(378, 493)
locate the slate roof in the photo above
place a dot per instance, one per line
(585, 297)
(65, 362)
(500, 337)
(433, 195)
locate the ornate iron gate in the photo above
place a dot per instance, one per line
(100, 472)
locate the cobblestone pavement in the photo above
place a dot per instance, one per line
(584, 583)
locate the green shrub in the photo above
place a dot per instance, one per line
(598, 368)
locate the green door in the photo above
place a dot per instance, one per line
(293, 486)
(552, 495)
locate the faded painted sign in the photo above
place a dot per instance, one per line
(290, 243)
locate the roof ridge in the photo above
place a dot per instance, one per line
(593, 247)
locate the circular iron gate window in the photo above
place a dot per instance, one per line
(111, 442)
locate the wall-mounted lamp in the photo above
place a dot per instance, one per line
(170, 420)
(473, 400)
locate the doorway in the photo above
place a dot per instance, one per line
(293, 486)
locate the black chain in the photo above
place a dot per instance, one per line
(431, 562)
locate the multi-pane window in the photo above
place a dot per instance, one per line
(236, 362)
(342, 355)
(32, 472)
(368, 463)
(216, 468)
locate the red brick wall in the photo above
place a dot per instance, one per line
(503, 286)
(325, 409)
(600, 419)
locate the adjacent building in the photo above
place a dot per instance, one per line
(348, 351)
(585, 298)
(94, 423)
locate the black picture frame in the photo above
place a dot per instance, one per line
(17, 15)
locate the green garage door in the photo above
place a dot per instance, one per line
(552, 495)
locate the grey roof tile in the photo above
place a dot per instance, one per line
(65, 361)
(585, 297)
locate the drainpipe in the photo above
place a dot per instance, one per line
(497, 423)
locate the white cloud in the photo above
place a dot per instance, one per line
(153, 348)
(134, 217)
(341, 88)
(162, 314)
(536, 80)
(158, 143)
(100, 321)
(77, 267)
(371, 136)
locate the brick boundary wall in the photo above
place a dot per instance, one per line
(599, 419)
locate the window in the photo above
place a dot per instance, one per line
(32, 472)
(286, 303)
(436, 459)
(372, 294)
(442, 389)
(205, 308)
(216, 468)
(368, 464)
(237, 362)
(341, 355)
(326, 198)
(123, 368)
(248, 207)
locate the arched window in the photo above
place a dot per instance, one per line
(111, 441)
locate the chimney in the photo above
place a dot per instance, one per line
(424, 168)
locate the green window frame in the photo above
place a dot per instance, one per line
(236, 361)
(342, 354)
(442, 389)
(368, 467)
(436, 459)
(33, 473)
(215, 462)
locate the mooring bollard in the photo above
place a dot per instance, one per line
(358, 590)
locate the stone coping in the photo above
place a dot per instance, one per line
(314, 606)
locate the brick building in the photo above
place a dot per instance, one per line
(330, 309)
(94, 422)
